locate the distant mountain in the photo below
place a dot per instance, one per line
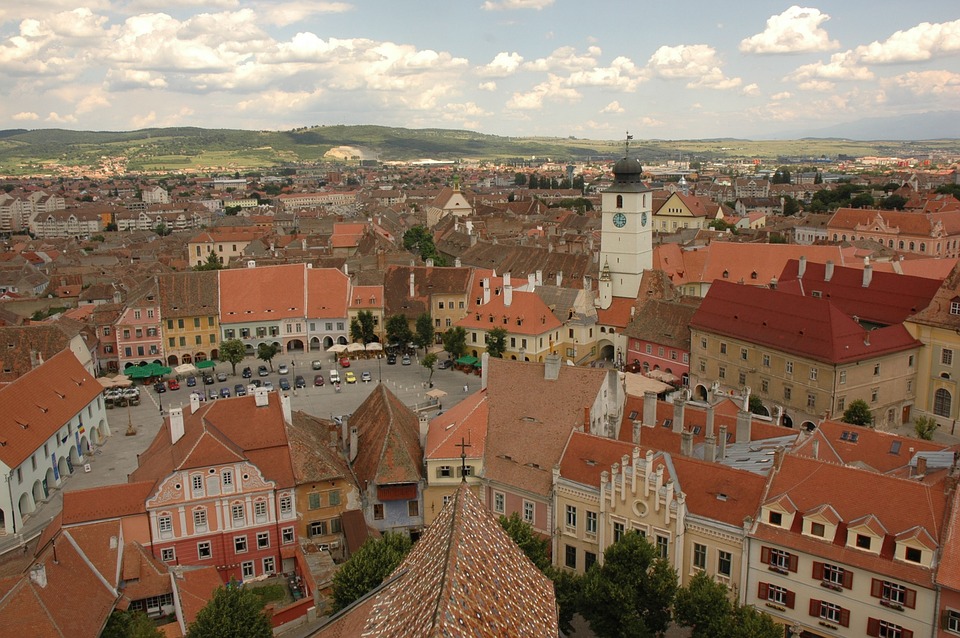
(936, 125)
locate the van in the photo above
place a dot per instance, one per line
(334, 376)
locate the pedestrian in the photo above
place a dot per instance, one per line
(466, 388)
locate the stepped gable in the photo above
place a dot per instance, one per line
(388, 440)
(804, 326)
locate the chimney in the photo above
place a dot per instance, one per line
(38, 575)
(722, 444)
(260, 397)
(176, 424)
(484, 368)
(744, 423)
(647, 471)
(650, 408)
(345, 435)
(828, 271)
(667, 501)
(413, 288)
(587, 283)
(424, 422)
(686, 443)
(507, 296)
(710, 419)
(457, 263)
(429, 262)
(251, 263)
(802, 267)
(815, 448)
(354, 443)
(657, 488)
(778, 456)
(921, 465)
(506, 280)
(636, 432)
(346, 269)
(194, 402)
(531, 282)
(539, 277)
(746, 399)
(867, 275)
(586, 419)
(485, 283)
(773, 283)
(559, 278)
(710, 449)
(678, 405)
(551, 367)
(285, 407)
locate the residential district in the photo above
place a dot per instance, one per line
(754, 369)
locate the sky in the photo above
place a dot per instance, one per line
(559, 68)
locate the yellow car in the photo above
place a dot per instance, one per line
(351, 377)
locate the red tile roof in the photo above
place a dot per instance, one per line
(466, 420)
(719, 492)
(327, 291)
(389, 440)
(587, 455)
(266, 293)
(526, 315)
(106, 502)
(948, 573)
(804, 326)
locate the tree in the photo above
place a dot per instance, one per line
(455, 341)
(631, 593)
(496, 342)
(518, 180)
(781, 176)
(858, 413)
(362, 327)
(398, 330)
(130, 624)
(893, 202)
(757, 407)
(233, 612)
(924, 427)
(356, 330)
(704, 604)
(749, 622)
(790, 206)
(419, 240)
(568, 588)
(232, 351)
(423, 336)
(367, 568)
(266, 352)
(162, 230)
(862, 200)
(522, 533)
(429, 360)
(213, 262)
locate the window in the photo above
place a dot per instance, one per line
(942, 402)
(863, 541)
(570, 558)
(913, 554)
(196, 481)
(811, 401)
(841, 404)
(776, 594)
(413, 508)
(724, 563)
(618, 530)
(465, 471)
(884, 629)
(778, 560)
(818, 529)
(334, 497)
(227, 478)
(313, 500)
(843, 377)
(237, 511)
(787, 393)
(260, 510)
(444, 471)
(743, 354)
(649, 348)
(775, 518)
(699, 556)
(246, 569)
(318, 528)
(528, 511)
(789, 367)
(876, 370)
(591, 522)
(766, 361)
(287, 535)
(168, 554)
(955, 307)
(200, 519)
(893, 593)
(164, 523)
(743, 378)
(829, 612)
(571, 517)
(286, 504)
(814, 372)
(203, 550)
(378, 511)
(764, 386)
(269, 565)
(703, 343)
(946, 357)
(723, 348)
(722, 372)
(498, 502)
(953, 621)
(589, 560)
(239, 544)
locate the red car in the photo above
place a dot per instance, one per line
(173, 384)
(344, 362)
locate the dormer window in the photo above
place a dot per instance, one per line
(818, 529)
(775, 518)
(913, 555)
(863, 541)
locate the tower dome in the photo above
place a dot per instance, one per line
(626, 175)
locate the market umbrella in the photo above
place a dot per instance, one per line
(206, 364)
(337, 348)
(373, 345)
(186, 369)
(436, 393)
(355, 347)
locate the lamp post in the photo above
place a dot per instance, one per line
(619, 358)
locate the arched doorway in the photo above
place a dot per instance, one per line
(49, 480)
(248, 349)
(26, 505)
(787, 421)
(342, 340)
(214, 354)
(700, 392)
(809, 426)
(187, 358)
(295, 345)
(327, 342)
(38, 494)
(3, 521)
(607, 351)
(63, 467)
(75, 458)
(314, 344)
(84, 446)
(173, 361)
(942, 402)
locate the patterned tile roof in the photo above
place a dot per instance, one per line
(310, 451)
(389, 440)
(465, 577)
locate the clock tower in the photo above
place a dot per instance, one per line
(626, 238)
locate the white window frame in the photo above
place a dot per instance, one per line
(240, 545)
(571, 517)
(529, 511)
(204, 547)
(499, 502)
(247, 569)
(168, 554)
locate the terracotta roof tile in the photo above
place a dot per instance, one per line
(189, 294)
(266, 293)
(311, 454)
(719, 492)
(327, 291)
(467, 420)
(389, 440)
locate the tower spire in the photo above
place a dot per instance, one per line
(626, 145)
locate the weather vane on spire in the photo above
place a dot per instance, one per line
(626, 145)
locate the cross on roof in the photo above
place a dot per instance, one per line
(463, 445)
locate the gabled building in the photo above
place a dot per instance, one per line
(926, 234)
(190, 312)
(450, 201)
(266, 304)
(443, 293)
(681, 211)
(226, 243)
(327, 320)
(138, 332)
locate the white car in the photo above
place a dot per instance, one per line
(334, 376)
(283, 369)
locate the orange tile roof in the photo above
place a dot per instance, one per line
(266, 293)
(39, 403)
(366, 297)
(587, 455)
(105, 502)
(389, 440)
(534, 317)
(327, 291)
(100, 544)
(948, 572)
(719, 492)
(195, 589)
(618, 314)
(466, 420)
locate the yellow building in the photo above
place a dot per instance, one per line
(189, 316)
(226, 243)
(453, 450)
(681, 211)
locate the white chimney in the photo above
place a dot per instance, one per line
(194, 402)
(531, 282)
(539, 277)
(506, 280)
(251, 263)
(744, 427)
(649, 408)
(413, 288)
(424, 422)
(457, 263)
(260, 397)
(507, 295)
(559, 278)
(38, 575)
(587, 283)
(802, 268)
(486, 290)
(285, 406)
(346, 269)
(354, 443)
(867, 275)
(176, 424)
(551, 367)
(429, 263)
(484, 368)
(828, 271)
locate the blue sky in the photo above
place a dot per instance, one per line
(508, 67)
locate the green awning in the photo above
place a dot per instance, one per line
(205, 364)
(138, 372)
(467, 361)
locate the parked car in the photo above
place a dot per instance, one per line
(366, 377)
(247, 373)
(344, 362)
(221, 376)
(240, 390)
(207, 379)
(284, 383)
(212, 394)
(446, 363)
(391, 359)
(173, 384)
(334, 376)
(191, 382)
(225, 392)
(268, 385)
(405, 361)
(160, 387)
(256, 382)
(299, 382)
(351, 377)
(318, 380)
(315, 364)
(283, 369)
(262, 371)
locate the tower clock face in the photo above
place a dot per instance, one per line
(643, 219)
(619, 220)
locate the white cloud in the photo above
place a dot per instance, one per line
(752, 90)
(565, 59)
(143, 121)
(502, 65)
(60, 119)
(822, 86)
(783, 95)
(922, 42)
(842, 66)
(613, 107)
(649, 121)
(697, 62)
(554, 89)
(127, 79)
(506, 5)
(25, 116)
(487, 86)
(938, 83)
(796, 30)
(287, 13)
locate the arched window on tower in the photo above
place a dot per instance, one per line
(619, 201)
